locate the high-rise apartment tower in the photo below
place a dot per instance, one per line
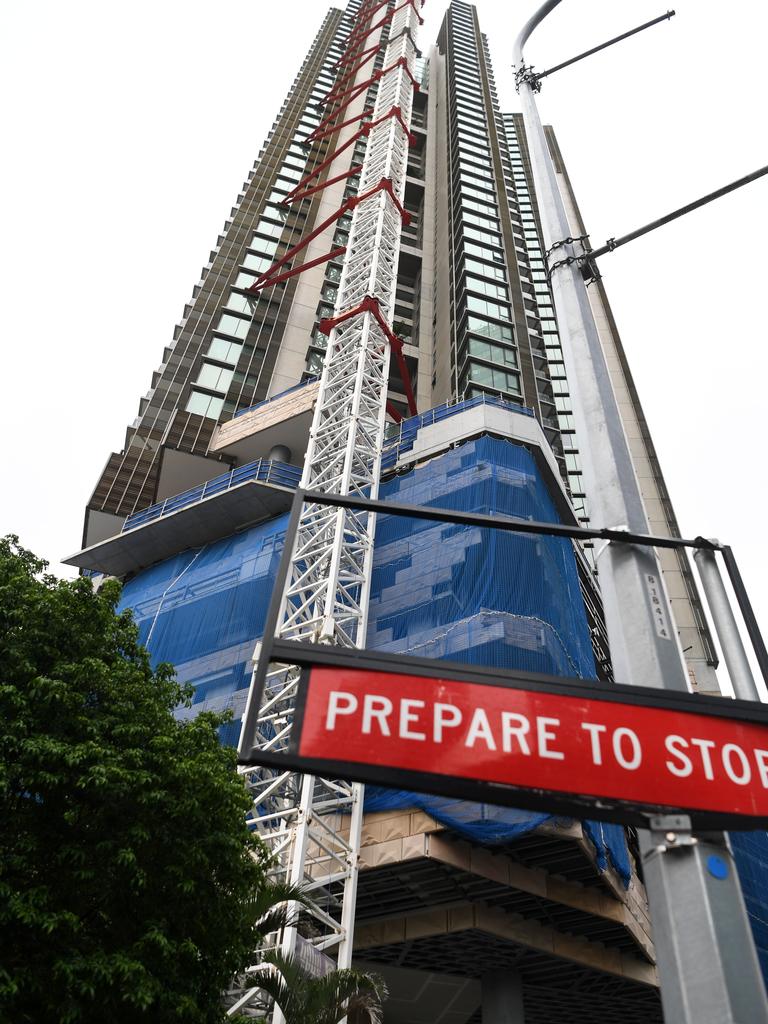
(468, 911)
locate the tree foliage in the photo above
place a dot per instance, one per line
(129, 884)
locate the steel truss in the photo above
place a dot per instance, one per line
(312, 825)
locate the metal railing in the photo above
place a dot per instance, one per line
(265, 471)
(402, 440)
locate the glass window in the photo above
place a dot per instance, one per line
(481, 236)
(260, 263)
(471, 162)
(205, 405)
(217, 378)
(244, 280)
(493, 378)
(315, 362)
(233, 325)
(468, 192)
(224, 350)
(481, 250)
(263, 245)
(276, 212)
(266, 227)
(478, 305)
(489, 330)
(475, 267)
(481, 374)
(494, 353)
(473, 148)
(487, 211)
(481, 222)
(291, 173)
(489, 288)
(242, 303)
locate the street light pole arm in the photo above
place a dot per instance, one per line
(533, 22)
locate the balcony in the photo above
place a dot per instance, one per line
(233, 501)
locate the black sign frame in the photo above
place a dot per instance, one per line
(307, 656)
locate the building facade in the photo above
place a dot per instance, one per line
(462, 909)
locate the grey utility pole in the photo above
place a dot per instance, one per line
(708, 968)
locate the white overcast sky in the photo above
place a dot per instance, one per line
(128, 130)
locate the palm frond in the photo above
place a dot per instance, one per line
(273, 907)
(325, 1000)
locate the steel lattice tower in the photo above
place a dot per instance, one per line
(312, 825)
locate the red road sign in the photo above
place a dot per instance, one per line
(613, 752)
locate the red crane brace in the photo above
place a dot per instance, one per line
(352, 38)
(385, 185)
(365, 130)
(337, 127)
(368, 55)
(370, 304)
(393, 412)
(347, 55)
(332, 255)
(356, 90)
(361, 21)
(319, 188)
(327, 128)
(299, 189)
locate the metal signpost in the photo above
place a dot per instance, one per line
(708, 967)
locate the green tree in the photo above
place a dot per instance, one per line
(324, 1000)
(130, 887)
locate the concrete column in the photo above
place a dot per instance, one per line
(502, 993)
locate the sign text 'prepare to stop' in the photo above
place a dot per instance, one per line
(534, 739)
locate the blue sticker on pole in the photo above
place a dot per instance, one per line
(717, 867)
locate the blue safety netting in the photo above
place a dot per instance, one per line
(461, 593)
(750, 850)
(204, 610)
(502, 600)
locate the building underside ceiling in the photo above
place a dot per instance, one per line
(555, 990)
(399, 888)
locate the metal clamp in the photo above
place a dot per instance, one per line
(671, 832)
(566, 241)
(568, 260)
(601, 550)
(525, 75)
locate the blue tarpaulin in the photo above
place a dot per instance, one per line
(481, 597)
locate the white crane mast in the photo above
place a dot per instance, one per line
(312, 825)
